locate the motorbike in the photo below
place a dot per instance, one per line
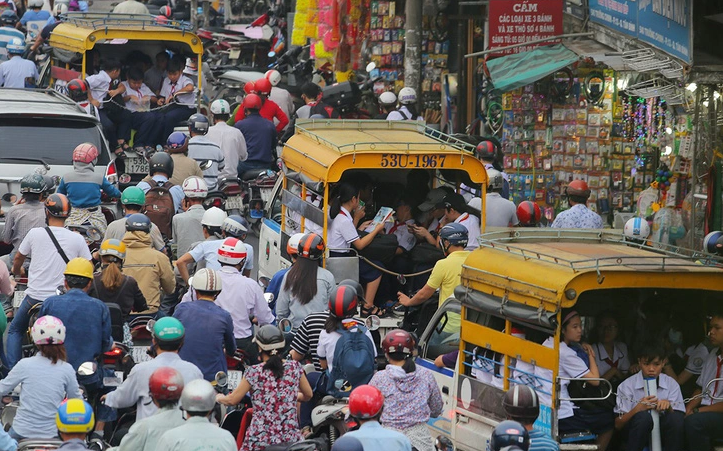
(93, 237)
(354, 99)
(330, 419)
(228, 195)
(258, 186)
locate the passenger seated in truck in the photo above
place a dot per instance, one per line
(611, 354)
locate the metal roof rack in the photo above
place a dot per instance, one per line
(439, 139)
(60, 99)
(667, 256)
(98, 21)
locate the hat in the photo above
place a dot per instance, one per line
(455, 201)
(433, 198)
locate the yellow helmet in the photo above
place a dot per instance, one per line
(113, 247)
(75, 416)
(79, 267)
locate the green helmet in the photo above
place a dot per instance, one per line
(168, 329)
(32, 183)
(133, 196)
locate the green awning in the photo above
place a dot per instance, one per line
(514, 71)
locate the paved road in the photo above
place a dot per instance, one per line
(102, 6)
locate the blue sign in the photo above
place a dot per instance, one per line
(665, 24)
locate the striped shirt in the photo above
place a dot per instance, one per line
(540, 441)
(306, 339)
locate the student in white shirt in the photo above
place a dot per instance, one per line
(176, 88)
(115, 121)
(456, 211)
(343, 234)
(139, 99)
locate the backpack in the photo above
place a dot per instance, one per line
(353, 362)
(159, 206)
(325, 110)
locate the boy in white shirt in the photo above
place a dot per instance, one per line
(115, 121)
(139, 99)
(177, 92)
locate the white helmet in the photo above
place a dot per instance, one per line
(196, 187)
(232, 252)
(213, 217)
(60, 9)
(198, 396)
(273, 76)
(636, 229)
(407, 96)
(206, 280)
(292, 246)
(16, 46)
(220, 106)
(387, 98)
(35, 4)
(48, 330)
(495, 179)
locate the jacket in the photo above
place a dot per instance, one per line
(129, 296)
(409, 398)
(145, 434)
(151, 269)
(197, 434)
(83, 186)
(183, 167)
(269, 110)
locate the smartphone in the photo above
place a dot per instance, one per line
(362, 203)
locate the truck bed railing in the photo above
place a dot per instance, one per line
(99, 21)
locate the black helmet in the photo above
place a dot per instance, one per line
(357, 286)
(509, 433)
(521, 404)
(57, 205)
(139, 222)
(49, 183)
(32, 183)
(8, 17)
(198, 123)
(270, 339)
(343, 302)
(161, 162)
(455, 233)
(311, 246)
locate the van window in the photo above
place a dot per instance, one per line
(442, 340)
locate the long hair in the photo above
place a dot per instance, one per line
(54, 352)
(332, 323)
(409, 366)
(111, 277)
(274, 364)
(301, 280)
(344, 193)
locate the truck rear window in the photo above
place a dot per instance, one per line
(50, 139)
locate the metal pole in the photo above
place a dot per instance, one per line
(694, 169)
(413, 45)
(536, 41)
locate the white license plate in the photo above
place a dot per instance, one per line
(140, 354)
(234, 378)
(136, 165)
(18, 298)
(234, 203)
(114, 381)
(234, 54)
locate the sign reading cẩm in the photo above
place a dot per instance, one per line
(516, 22)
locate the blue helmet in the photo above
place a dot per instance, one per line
(235, 226)
(198, 123)
(138, 222)
(455, 233)
(8, 17)
(176, 140)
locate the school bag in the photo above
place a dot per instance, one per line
(353, 362)
(159, 206)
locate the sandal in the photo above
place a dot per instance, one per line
(373, 310)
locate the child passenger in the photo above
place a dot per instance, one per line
(177, 93)
(139, 99)
(633, 406)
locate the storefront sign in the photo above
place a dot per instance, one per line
(575, 8)
(517, 21)
(666, 24)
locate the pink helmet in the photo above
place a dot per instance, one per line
(85, 153)
(48, 330)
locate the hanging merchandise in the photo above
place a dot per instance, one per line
(561, 85)
(595, 87)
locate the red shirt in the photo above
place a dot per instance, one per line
(269, 110)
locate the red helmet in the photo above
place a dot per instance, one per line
(578, 188)
(263, 86)
(486, 150)
(85, 153)
(252, 102)
(529, 213)
(250, 88)
(398, 340)
(166, 11)
(311, 246)
(365, 402)
(166, 383)
(77, 89)
(343, 302)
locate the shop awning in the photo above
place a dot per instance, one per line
(514, 71)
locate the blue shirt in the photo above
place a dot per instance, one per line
(578, 217)
(275, 284)
(87, 325)
(14, 71)
(209, 329)
(176, 191)
(32, 16)
(374, 437)
(541, 441)
(260, 135)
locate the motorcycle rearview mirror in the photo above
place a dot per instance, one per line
(271, 54)
(442, 443)
(373, 322)
(371, 66)
(10, 197)
(60, 290)
(205, 164)
(269, 297)
(264, 282)
(94, 234)
(87, 368)
(221, 379)
(285, 325)
(150, 324)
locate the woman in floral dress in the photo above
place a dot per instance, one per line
(275, 387)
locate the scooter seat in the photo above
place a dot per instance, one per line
(252, 174)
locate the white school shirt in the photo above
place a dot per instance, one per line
(342, 231)
(632, 390)
(711, 370)
(695, 358)
(571, 366)
(405, 238)
(472, 224)
(168, 88)
(99, 85)
(620, 355)
(139, 93)
(327, 344)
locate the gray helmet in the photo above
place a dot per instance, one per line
(198, 123)
(32, 183)
(455, 233)
(138, 222)
(495, 180)
(198, 396)
(161, 162)
(270, 338)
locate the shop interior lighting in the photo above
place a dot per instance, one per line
(668, 150)
(691, 87)
(668, 130)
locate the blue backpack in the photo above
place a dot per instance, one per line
(353, 362)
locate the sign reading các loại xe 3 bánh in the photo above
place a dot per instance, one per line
(665, 24)
(519, 21)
